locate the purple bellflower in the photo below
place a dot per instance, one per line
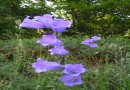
(90, 41)
(96, 38)
(49, 39)
(45, 20)
(58, 50)
(93, 45)
(72, 79)
(30, 23)
(73, 69)
(44, 66)
(87, 41)
(59, 25)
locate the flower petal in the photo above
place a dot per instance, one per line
(70, 80)
(58, 50)
(30, 23)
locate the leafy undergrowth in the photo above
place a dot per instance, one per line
(108, 66)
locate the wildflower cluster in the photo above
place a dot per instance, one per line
(47, 21)
(72, 72)
(90, 41)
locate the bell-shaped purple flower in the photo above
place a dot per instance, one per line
(93, 45)
(59, 25)
(44, 66)
(45, 20)
(30, 23)
(49, 39)
(71, 79)
(58, 50)
(96, 38)
(90, 41)
(87, 41)
(73, 69)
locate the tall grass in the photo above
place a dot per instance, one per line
(108, 66)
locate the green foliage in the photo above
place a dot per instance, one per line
(13, 12)
(8, 10)
(104, 17)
